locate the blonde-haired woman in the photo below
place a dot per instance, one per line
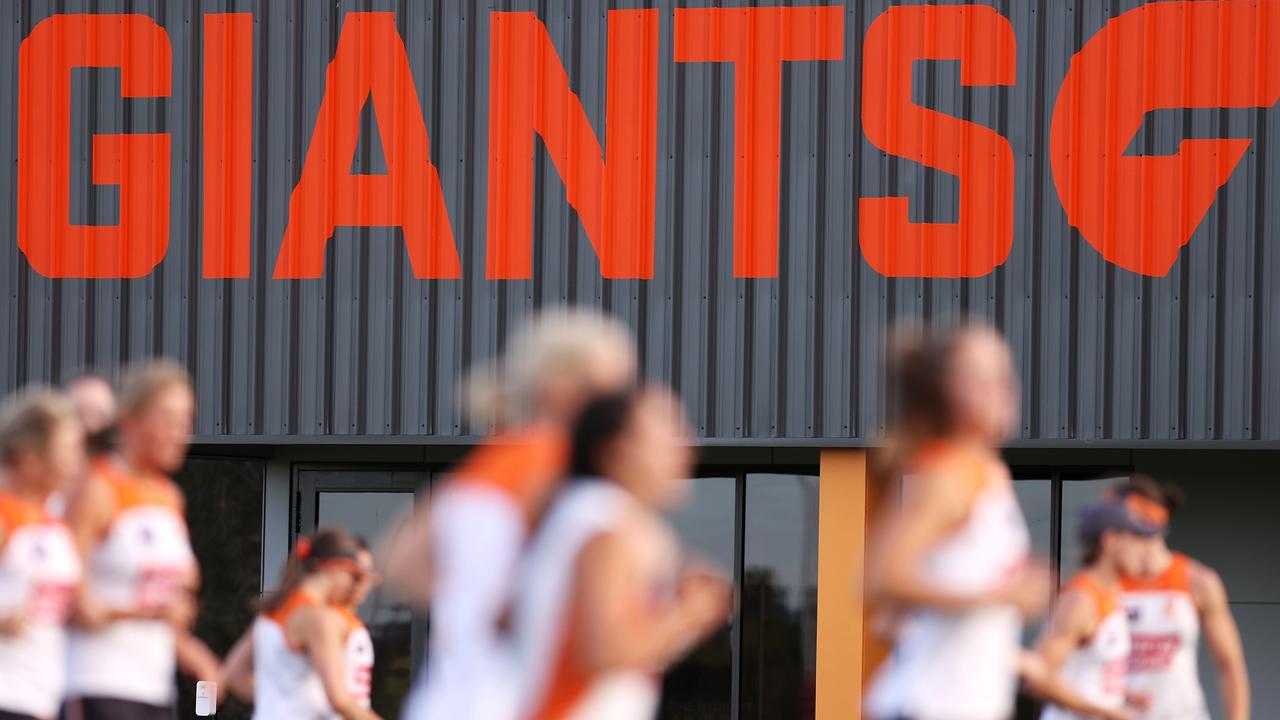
(137, 604)
(41, 450)
(468, 544)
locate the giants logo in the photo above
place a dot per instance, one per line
(1136, 211)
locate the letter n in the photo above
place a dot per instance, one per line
(612, 190)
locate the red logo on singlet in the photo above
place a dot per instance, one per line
(1153, 653)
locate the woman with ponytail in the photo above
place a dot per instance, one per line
(292, 663)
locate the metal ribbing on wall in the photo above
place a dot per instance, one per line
(368, 350)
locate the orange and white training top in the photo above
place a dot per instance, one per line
(961, 664)
(1165, 625)
(357, 655)
(555, 684)
(1095, 671)
(39, 571)
(480, 522)
(142, 563)
(285, 683)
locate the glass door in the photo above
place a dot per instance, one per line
(367, 502)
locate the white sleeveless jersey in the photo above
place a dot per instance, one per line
(552, 685)
(142, 563)
(1096, 670)
(1165, 626)
(961, 665)
(480, 523)
(285, 683)
(39, 570)
(357, 655)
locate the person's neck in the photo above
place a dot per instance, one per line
(1106, 574)
(135, 461)
(21, 489)
(973, 441)
(1162, 562)
(316, 586)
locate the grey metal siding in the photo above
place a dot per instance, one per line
(1106, 355)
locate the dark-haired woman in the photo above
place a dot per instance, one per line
(1170, 604)
(41, 450)
(137, 606)
(605, 608)
(295, 652)
(952, 566)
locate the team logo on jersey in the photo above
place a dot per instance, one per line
(1134, 613)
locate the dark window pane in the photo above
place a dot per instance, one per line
(224, 514)
(779, 597)
(1035, 497)
(1076, 494)
(700, 687)
(390, 624)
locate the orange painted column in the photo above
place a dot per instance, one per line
(845, 497)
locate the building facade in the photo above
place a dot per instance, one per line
(330, 210)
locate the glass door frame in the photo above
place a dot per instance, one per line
(738, 475)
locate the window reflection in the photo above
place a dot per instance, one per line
(1076, 494)
(1035, 497)
(700, 687)
(779, 597)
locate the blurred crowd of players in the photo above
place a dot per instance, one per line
(554, 586)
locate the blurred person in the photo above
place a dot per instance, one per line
(95, 404)
(137, 602)
(293, 662)
(460, 554)
(604, 607)
(356, 644)
(1085, 647)
(41, 450)
(951, 577)
(1171, 601)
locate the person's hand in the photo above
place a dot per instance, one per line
(1119, 714)
(1140, 702)
(706, 598)
(12, 625)
(180, 612)
(1029, 591)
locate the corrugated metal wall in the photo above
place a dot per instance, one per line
(368, 350)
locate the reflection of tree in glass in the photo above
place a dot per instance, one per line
(391, 666)
(775, 684)
(699, 688)
(224, 514)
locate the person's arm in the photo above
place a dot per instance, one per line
(1073, 621)
(322, 629)
(236, 674)
(1223, 638)
(12, 622)
(405, 555)
(617, 632)
(88, 515)
(194, 657)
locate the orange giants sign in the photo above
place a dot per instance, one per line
(1138, 211)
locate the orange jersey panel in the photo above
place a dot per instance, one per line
(524, 464)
